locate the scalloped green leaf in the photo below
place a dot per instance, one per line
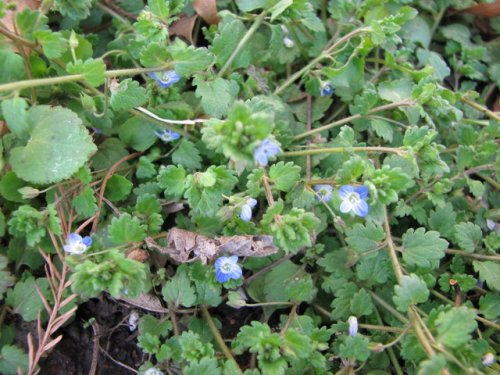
(58, 146)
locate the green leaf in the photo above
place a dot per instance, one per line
(363, 238)
(154, 54)
(443, 220)
(147, 204)
(6, 279)
(118, 188)
(412, 290)
(179, 290)
(12, 67)
(187, 155)
(490, 306)
(138, 134)
(145, 169)
(159, 8)
(24, 298)
(126, 229)
(9, 188)
(455, 325)
(216, 96)
(355, 347)
(395, 90)
(92, 69)
(76, 10)
(188, 59)
(383, 129)
(59, 145)
(361, 303)
(249, 5)
(29, 223)
(489, 272)
(341, 304)
(206, 366)
(347, 80)
(11, 358)
(284, 176)
(231, 31)
(127, 95)
(54, 220)
(173, 180)
(468, 236)
(15, 113)
(85, 203)
(423, 249)
(435, 365)
(53, 43)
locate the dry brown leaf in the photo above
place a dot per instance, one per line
(183, 27)
(138, 255)
(207, 9)
(147, 302)
(185, 246)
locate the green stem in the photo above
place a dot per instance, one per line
(403, 103)
(243, 41)
(268, 304)
(392, 249)
(495, 258)
(335, 150)
(323, 55)
(19, 85)
(480, 108)
(388, 307)
(216, 333)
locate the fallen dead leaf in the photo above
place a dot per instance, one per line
(207, 9)
(183, 27)
(185, 246)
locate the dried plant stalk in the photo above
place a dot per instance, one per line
(58, 283)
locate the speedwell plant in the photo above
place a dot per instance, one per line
(261, 186)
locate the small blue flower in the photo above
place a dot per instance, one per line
(153, 371)
(167, 135)
(326, 89)
(76, 244)
(227, 268)
(265, 150)
(353, 325)
(488, 359)
(166, 78)
(323, 192)
(246, 209)
(354, 199)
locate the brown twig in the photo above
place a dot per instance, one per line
(105, 182)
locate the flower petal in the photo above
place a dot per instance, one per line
(260, 157)
(74, 238)
(87, 241)
(251, 202)
(246, 213)
(345, 206)
(345, 191)
(362, 191)
(361, 208)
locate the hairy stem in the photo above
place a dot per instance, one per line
(216, 333)
(335, 150)
(242, 42)
(385, 107)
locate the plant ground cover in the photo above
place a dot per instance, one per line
(249, 187)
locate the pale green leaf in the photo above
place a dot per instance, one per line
(423, 249)
(412, 290)
(455, 325)
(284, 176)
(490, 272)
(59, 145)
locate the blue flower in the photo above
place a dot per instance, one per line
(326, 89)
(488, 359)
(166, 78)
(246, 209)
(167, 135)
(353, 325)
(153, 371)
(227, 268)
(76, 244)
(265, 150)
(354, 199)
(323, 192)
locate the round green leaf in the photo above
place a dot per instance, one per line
(58, 146)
